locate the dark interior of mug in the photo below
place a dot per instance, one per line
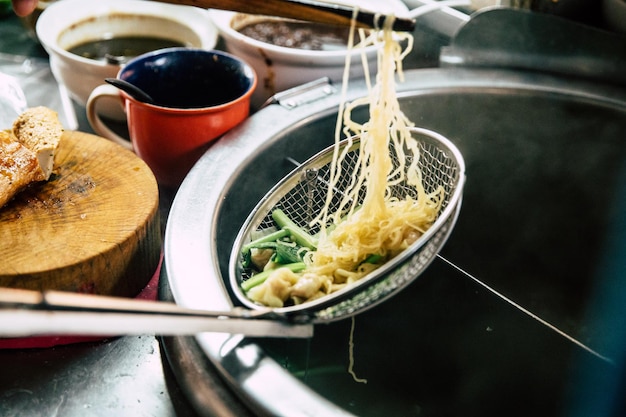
(189, 78)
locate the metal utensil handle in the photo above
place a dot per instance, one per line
(26, 323)
(29, 313)
(307, 10)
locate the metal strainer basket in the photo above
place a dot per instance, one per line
(301, 196)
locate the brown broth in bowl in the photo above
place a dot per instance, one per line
(122, 47)
(299, 35)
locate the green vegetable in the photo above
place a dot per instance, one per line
(271, 237)
(260, 278)
(289, 252)
(373, 259)
(284, 252)
(301, 237)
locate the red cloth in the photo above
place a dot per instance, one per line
(150, 292)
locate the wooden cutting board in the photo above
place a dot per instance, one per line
(92, 228)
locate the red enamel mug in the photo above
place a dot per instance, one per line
(197, 96)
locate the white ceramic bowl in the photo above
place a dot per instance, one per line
(68, 23)
(280, 68)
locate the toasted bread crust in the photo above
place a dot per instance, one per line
(40, 130)
(18, 167)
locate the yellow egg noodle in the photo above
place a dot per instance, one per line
(380, 225)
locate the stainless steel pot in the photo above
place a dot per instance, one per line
(543, 155)
(521, 312)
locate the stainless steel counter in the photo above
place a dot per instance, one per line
(123, 376)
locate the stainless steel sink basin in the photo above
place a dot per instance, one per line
(504, 323)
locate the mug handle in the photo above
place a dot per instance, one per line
(104, 90)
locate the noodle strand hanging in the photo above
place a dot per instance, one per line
(361, 233)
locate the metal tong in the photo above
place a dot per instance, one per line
(32, 313)
(307, 10)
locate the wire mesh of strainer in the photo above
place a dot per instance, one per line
(301, 196)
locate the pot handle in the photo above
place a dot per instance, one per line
(104, 90)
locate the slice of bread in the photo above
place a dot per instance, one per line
(39, 129)
(27, 152)
(18, 167)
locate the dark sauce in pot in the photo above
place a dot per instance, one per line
(299, 35)
(122, 47)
